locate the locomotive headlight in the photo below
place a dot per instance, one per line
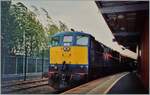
(66, 48)
(83, 67)
(86, 67)
(53, 66)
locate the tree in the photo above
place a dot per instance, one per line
(5, 25)
(21, 29)
(52, 27)
(25, 31)
(63, 27)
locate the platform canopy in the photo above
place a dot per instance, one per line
(126, 20)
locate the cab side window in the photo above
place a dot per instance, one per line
(82, 40)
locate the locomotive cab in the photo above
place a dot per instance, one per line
(68, 59)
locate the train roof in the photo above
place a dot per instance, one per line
(70, 33)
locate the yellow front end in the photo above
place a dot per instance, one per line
(70, 54)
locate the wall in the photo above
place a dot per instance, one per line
(144, 58)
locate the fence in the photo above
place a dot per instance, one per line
(16, 64)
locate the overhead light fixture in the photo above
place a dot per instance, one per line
(122, 28)
(120, 16)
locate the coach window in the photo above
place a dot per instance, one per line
(67, 40)
(82, 40)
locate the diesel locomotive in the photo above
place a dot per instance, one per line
(76, 57)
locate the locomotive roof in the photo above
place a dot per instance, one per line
(70, 33)
(79, 33)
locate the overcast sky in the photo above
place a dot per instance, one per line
(79, 15)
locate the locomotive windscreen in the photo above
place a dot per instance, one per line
(67, 40)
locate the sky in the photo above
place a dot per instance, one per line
(79, 15)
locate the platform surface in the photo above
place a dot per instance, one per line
(120, 83)
(129, 84)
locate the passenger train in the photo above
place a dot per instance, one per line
(76, 57)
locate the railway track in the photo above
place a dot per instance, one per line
(32, 86)
(13, 83)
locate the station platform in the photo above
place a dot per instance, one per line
(129, 84)
(121, 83)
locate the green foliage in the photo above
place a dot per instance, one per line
(21, 29)
(24, 31)
(63, 27)
(5, 23)
(53, 28)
